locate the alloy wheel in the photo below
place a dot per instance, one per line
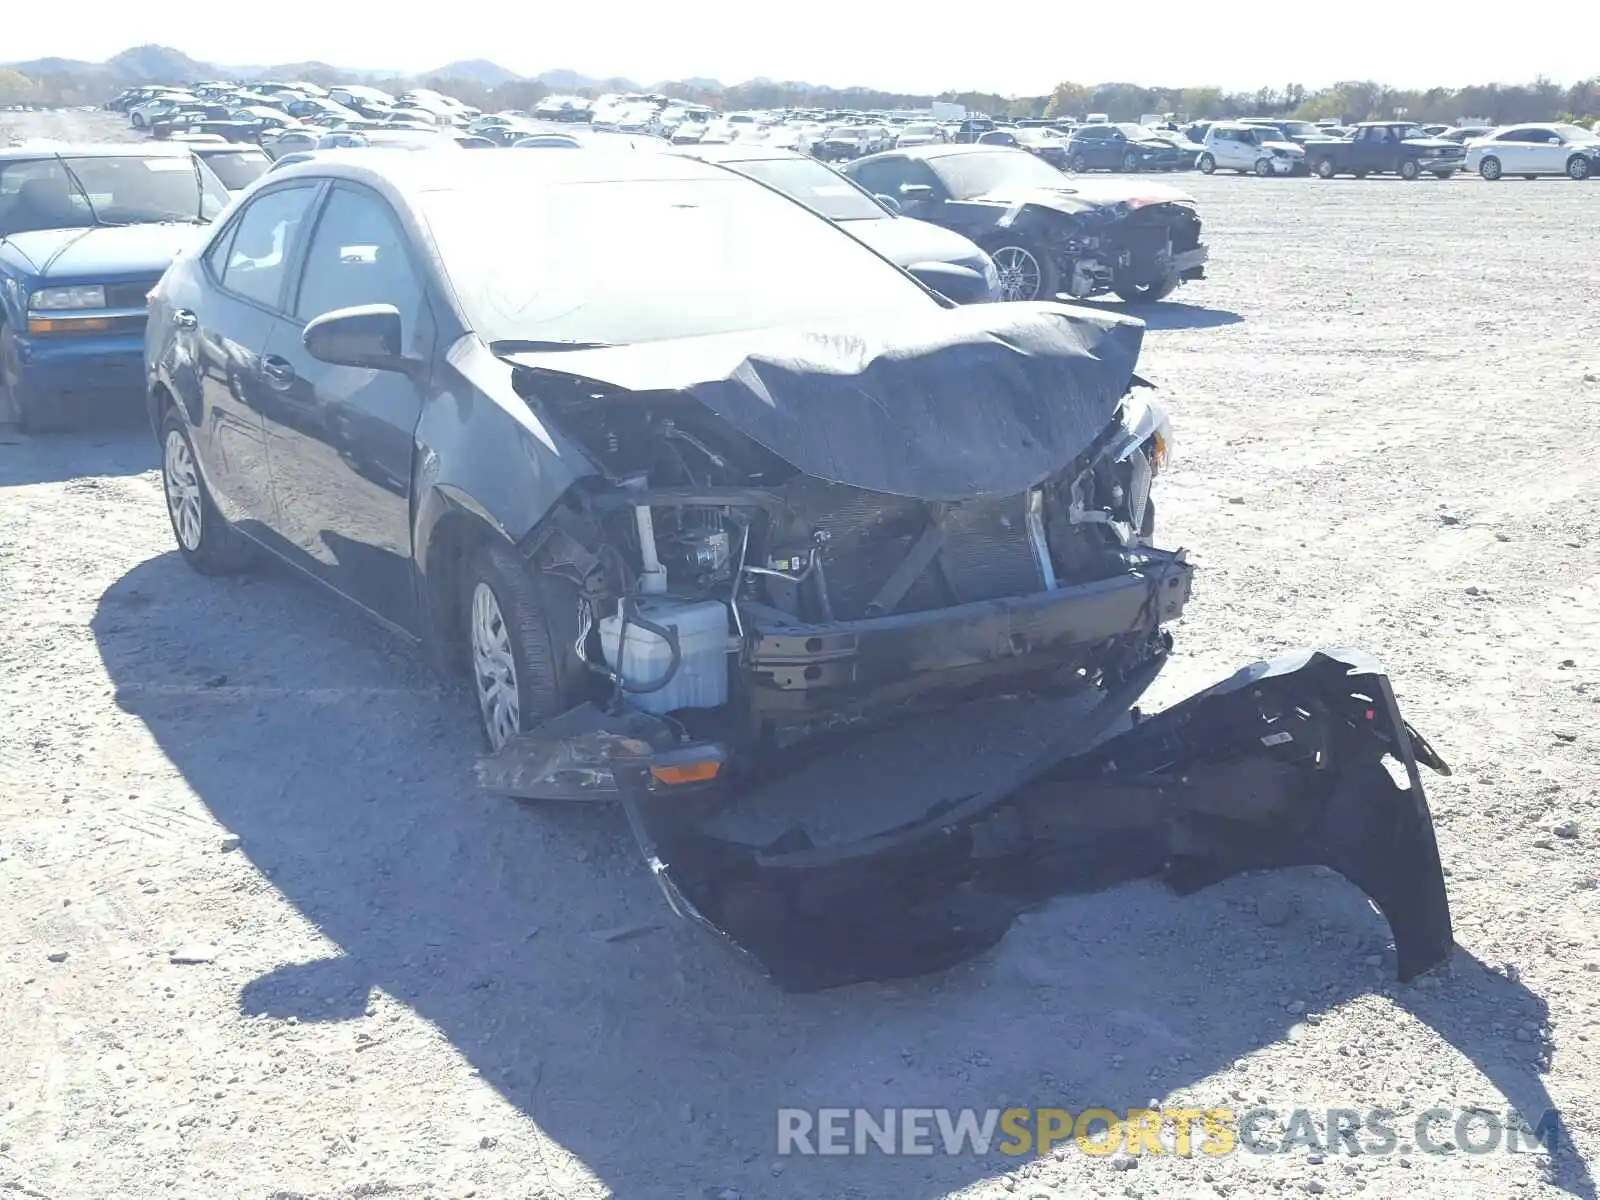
(182, 483)
(1020, 274)
(494, 668)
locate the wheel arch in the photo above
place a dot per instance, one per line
(451, 531)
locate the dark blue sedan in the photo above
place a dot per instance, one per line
(85, 233)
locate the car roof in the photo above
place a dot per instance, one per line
(947, 150)
(97, 150)
(735, 152)
(406, 174)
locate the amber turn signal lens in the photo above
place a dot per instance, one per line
(692, 772)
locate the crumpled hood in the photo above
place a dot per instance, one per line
(105, 250)
(951, 404)
(1083, 195)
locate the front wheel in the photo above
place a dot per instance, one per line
(1489, 168)
(1325, 168)
(1026, 273)
(1079, 164)
(511, 652)
(1263, 167)
(206, 542)
(1578, 167)
(1410, 168)
(138, 121)
(1207, 164)
(1147, 293)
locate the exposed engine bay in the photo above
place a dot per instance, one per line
(1122, 247)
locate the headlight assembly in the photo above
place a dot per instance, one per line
(55, 299)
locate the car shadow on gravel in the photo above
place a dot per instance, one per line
(1174, 314)
(126, 449)
(536, 943)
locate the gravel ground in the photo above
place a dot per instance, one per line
(263, 938)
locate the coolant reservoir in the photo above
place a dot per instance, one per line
(701, 680)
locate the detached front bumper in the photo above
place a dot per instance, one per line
(1280, 765)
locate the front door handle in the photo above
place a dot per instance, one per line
(184, 319)
(279, 371)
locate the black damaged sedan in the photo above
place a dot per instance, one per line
(683, 479)
(1047, 234)
(548, 415)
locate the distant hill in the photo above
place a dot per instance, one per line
(158, 63)
(479, 70)
(562, 80)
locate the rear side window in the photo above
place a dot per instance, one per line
(263, 243)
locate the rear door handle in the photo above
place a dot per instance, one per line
(184, 319)
(279, 371)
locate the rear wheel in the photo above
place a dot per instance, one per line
(206, 542)
(1578, 167)
(1325, 169)
(1026, 273)
(1079, 163)
(511, 652)
(1489, 168)
(1130, 161)
(1207, 164)
(1410, 168)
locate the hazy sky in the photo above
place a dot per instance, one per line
(915, 48)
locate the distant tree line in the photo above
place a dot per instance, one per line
(1354, 100)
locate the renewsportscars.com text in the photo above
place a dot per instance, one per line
(1176, 1131)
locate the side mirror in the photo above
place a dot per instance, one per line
(888, 202)
(954, 282)
(915, 193)
(365, 336)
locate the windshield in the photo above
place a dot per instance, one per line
(238, 168)
(821, 190)
(969, 175)
(644, 260)
(77, 193)
(921, 130)
(1134, 132)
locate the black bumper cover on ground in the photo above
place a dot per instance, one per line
(1280, 765)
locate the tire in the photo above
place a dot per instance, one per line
(1026, 272)
(1078, 164)
(206, 542)
(1130, 162)
(1264, 167)
(1206, 163)
(512, 658)
(1578, 167)
(1325, 168)
(1147, 293)
(138, 121)
(1410, 168)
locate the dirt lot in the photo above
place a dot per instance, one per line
(1386, 403)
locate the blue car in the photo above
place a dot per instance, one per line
(85, 233)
